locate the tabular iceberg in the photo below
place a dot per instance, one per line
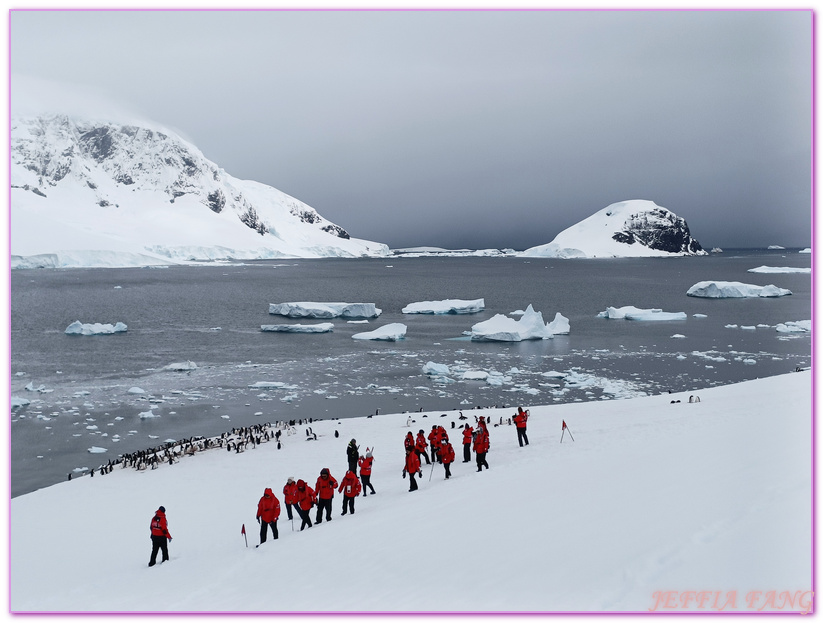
(779, 270)
(530, 326)
(390, 332)
(799, 326)
(325, 310)
(734, 289)
(448, 306)
(323, 327)
(630, 312)
(94, 328)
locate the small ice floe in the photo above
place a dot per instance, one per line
(95, 328)
(182, 366)
(389, 333)
(271, 385)
(799, 326)
(678, 336)
(136, 390)
(448, 306)
(436, 369)
(97, 450)
(779, 270)
(734, 289)
(146, 415)
(323, 327)
(17, 402)
(630, 312)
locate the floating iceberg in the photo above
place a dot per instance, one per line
(325, 310)
(800, 326)
(530, 326)
(17, 402)
(734, 289)
(390, 333)
(635, 313)
(96, 328)
(181, 366)
(436, 369)
(323, 327)
(97, 450)
(779, 270)
(448, 306)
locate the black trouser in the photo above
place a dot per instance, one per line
(158, 543)
(304, 515)
(321, 504)
(424, 454)
(467, 452)
(288, 509)
(353, 465)
(348, 503)
(366, 478)
(413, 483)
(263, 530)
(448, 469)
(481, 460)
(521, 436)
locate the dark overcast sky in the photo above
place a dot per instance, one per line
(470, 128)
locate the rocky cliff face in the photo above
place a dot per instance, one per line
(660, 230)
(110, 163)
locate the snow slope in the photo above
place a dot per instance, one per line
(650, 496)
(101, 193)
(636, 228)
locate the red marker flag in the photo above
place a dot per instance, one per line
(243, 529)
(564, 424)
(243, 532)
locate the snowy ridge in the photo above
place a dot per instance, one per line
(94, 193)
(635, 228)
(602, 541)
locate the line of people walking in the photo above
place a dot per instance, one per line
(299, 497)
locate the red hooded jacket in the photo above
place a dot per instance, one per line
(268, 508)
(290, 493)
(159, 526)
(447, 453)
(412, 463)
(325, 486)
(350, 485)
(467, 434)
(305, 495)
(481, 441)
(421, 444)
(365, 465)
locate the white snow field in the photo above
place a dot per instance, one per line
(651, 504)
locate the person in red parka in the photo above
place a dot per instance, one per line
(159, 536)
(434, 442)
(468, 435)
(350, 488)
(324, 488)
(268, 511)
(290, 496)
(365, 471)
(420, 447)
(411, 468)
(481, 444)
(306, 498)
(447, 453)
(520, 422)
(408, 442)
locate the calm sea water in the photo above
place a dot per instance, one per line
(211, 315)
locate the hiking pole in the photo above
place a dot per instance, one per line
(432, 471)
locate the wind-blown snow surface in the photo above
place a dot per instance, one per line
(650, 496)
(101, 193)
(635, 228)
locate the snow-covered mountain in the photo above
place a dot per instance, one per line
(635, 228)
(89, 192)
